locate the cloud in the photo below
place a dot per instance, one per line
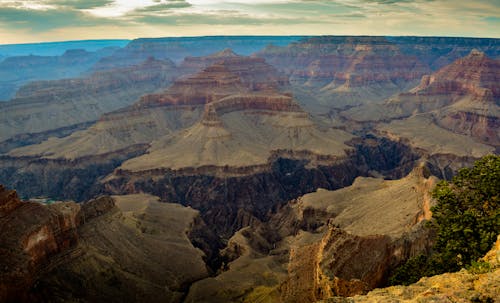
(135, 18)
(165, 6)
(79, 4)
(44, 20)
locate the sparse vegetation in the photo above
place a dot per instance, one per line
(466, 220)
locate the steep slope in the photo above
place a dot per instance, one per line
(473, 285)
(328, 242)
(135, 250)
(454, 111)
(47, 105)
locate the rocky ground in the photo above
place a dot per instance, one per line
(467, 285)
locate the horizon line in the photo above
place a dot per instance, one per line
(214, 36)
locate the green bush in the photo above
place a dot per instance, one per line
(466, 219)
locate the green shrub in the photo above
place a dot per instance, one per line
(466, 220)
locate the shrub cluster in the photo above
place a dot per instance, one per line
(466, 220)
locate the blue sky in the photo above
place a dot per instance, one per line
(57, 20)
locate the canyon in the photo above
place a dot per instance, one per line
(272, 169)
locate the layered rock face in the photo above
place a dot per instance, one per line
(341, 72)
(18, 70)
(325, 243)
(246, 127)
(191, 65)
(156, 115)
(463, 286)
(477, 112)
(454, 113)
(48, 105)
(346, 71)
(121, 248)
(31, 235)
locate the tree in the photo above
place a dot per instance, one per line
(466, 219)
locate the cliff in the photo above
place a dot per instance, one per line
(467, 285)
(120, 248)
(326, 243)
(340, 72)
(178, 48)
(457, 106)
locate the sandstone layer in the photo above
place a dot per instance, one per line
(328, 242)
(123, 248)
(472, 285)
(340, 72)
(452, 113)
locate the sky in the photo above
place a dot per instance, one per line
(60, 20)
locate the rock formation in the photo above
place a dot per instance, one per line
(49, 105)
(191, 65)
(452, 113)
(472, 285)
(339, 72)
(121, 248)
(273, 203)
(325, 243)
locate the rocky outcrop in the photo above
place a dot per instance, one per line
(475, 74)
(326, 243)
(31, 235)
(473, 285)
(121, 248)
(457, 106)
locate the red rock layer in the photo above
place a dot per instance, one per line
(233, 75)
(475, 74)
(194, 64)
(349, 61)
(481, 126)
(32, 234)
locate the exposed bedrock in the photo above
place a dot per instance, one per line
(325, 243)
(33, 235)
(344, 264)
(230, 202)
(61, 178)
(35, 138)
(110, 249)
